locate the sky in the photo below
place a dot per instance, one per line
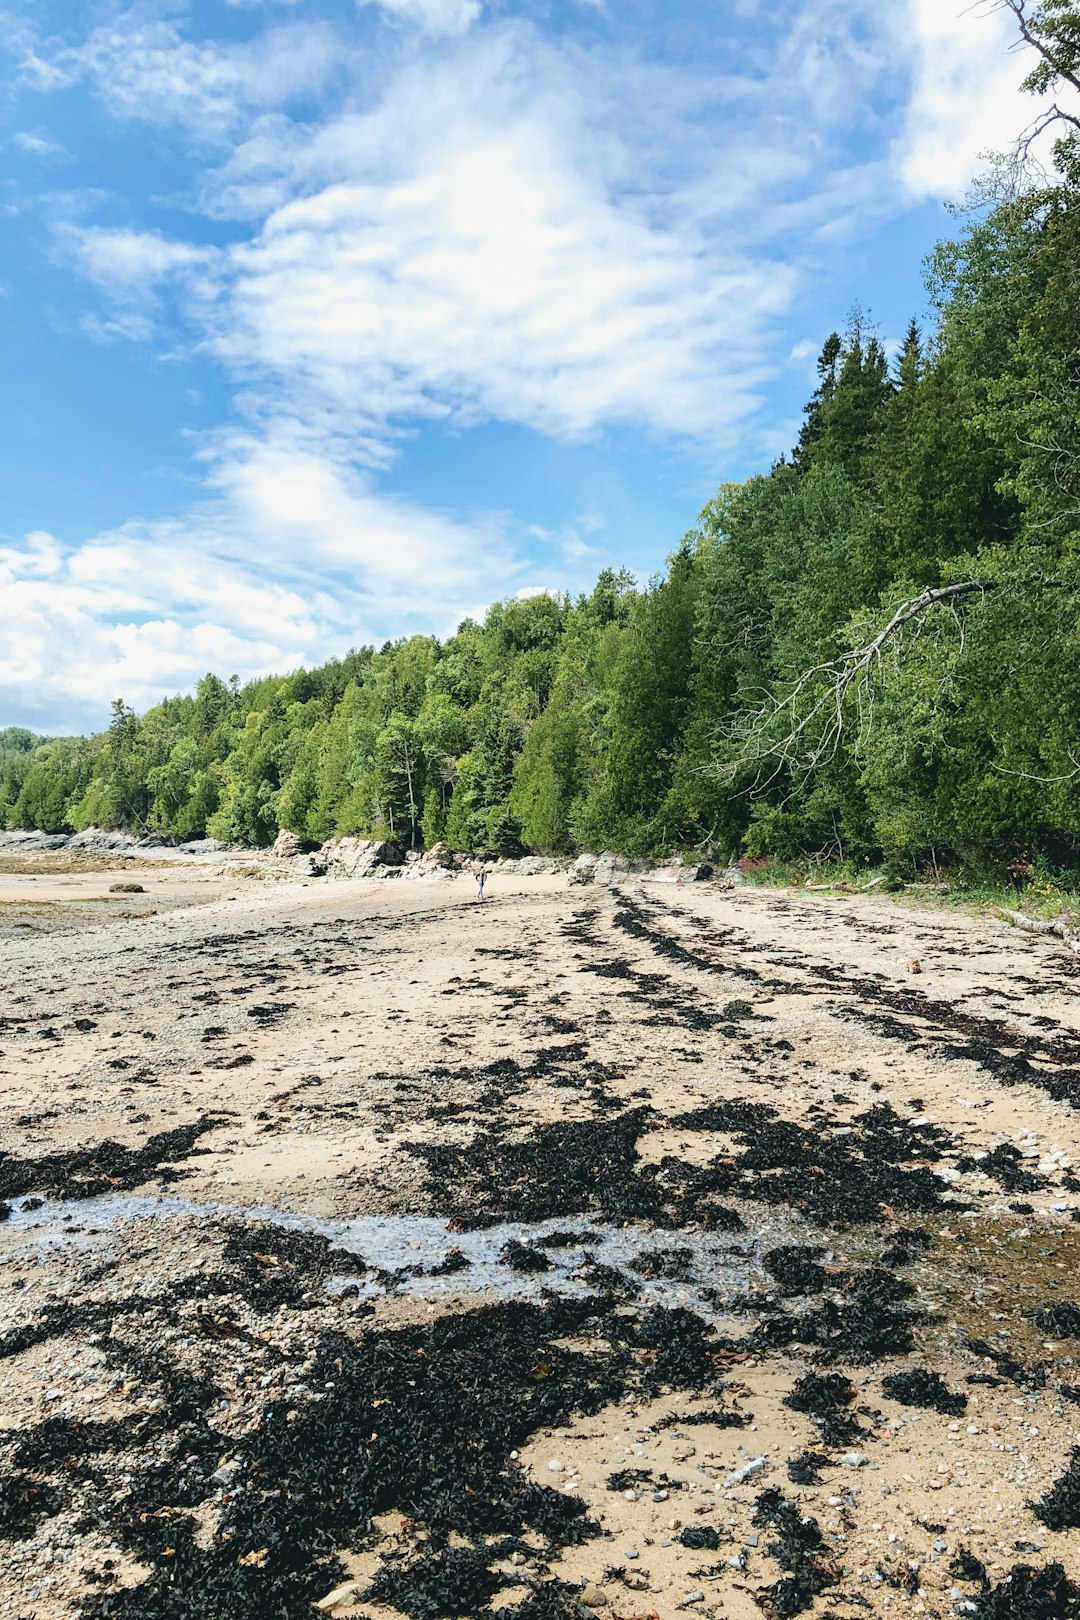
(330, 321)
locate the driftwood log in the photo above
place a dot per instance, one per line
(1054, 927)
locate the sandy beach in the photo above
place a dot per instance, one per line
(621, 1251)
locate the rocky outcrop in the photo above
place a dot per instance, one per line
(104, 840)
(583, 870)
(692, 872)
(607, 867)
(358, 858)
(287, 846)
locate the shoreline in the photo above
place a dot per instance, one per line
(660, 1185)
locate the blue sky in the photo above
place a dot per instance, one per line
(331, 321)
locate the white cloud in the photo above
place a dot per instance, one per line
(39, 146)
(150, 73)
(966, 99)
(460, 252)
(144, 610)
(432, 16)
(128, 260)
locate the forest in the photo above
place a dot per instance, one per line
(872, 649)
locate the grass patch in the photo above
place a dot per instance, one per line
(1040, 895)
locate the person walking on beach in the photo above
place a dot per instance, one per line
(481, 879)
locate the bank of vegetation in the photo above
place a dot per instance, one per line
(872, 650)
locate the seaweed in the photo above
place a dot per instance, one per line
(923, 1388)
(1059, 1509)
(1061, 1318)
(796, 1268)
(1029, 1594)
(800, 1549)
(109, 1167)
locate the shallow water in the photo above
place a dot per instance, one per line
(402, 1251)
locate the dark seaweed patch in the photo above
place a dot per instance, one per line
(1060, 1319)
(922, 1388)
(1030, 1594)
(1059, 1509)
(800, 1549)
(700, 1537)
(455, 1582)
(24, 1502)
(805, 1469)
(795, 1267)
(86, 1172)
(523, 1257)
(569, 1167)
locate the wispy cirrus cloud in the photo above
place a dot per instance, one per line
(147, 70)
(432, 16)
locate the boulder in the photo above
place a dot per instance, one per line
(439, 855)
(583, 870)
(287, 845)
(678, 873)
(99, 838)
(361, 857)
(610, 867)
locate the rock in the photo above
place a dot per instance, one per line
(594, 1597)
(287, 845)
(610, 867)
(361, 857)
(126, 888)
(583, 870)
(339, 1597)
(855, 1459)
(677, 873)
(203, 846)
(747, 1471)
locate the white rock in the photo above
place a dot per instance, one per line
(747, 1471)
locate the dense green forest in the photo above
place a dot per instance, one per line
(873, 648)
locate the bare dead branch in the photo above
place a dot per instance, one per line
(1028, 776)
(1028, 35)
(787, 733)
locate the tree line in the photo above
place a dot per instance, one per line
(871, 649)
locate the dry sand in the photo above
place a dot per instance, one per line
(310, 1037)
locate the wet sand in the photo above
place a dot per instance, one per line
(289, 1319)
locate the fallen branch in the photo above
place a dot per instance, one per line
(1051, 926)
(811, 735)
